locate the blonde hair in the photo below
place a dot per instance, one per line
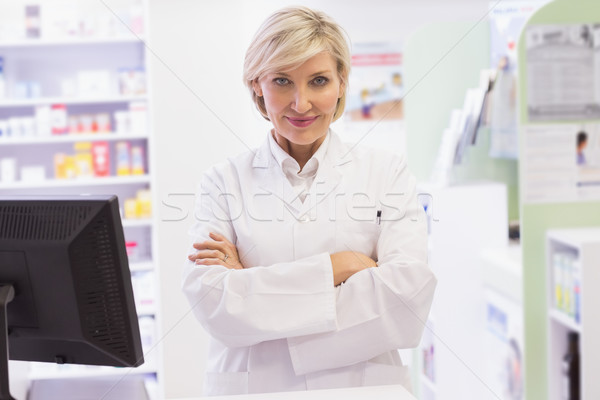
(290, 37)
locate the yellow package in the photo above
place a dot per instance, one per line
(84, 166)
(144, 199)
(60, 166)
(130, 208)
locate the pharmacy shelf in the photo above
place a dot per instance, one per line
(70, 101)
(77, 182)
(132, 223)
(146, 311)
(69, 138)
(584, 245)
(565, 320)
(92, 372)
(70, 41)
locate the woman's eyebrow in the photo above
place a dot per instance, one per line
(327, 71)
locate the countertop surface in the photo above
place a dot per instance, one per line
(389, 392)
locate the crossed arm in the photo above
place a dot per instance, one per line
(220, 251)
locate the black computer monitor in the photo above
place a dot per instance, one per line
(64, 259)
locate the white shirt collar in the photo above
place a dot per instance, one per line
(291, 166)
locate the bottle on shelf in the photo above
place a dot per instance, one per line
(570, 369)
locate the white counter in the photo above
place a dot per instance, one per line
(389, 392)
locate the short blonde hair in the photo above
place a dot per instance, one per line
(287, 39)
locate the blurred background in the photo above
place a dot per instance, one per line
(495, 103)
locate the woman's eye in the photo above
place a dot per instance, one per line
(320, 81)
(281, 81)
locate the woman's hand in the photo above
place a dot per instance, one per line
(347, 263)
(218, 251)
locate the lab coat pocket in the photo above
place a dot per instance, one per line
(225, 383)
(386, 374)
(357, 236)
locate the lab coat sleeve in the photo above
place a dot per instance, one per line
(384, 308)
(248, 306)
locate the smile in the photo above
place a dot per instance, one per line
(302, 122)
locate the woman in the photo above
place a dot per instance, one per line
(309, 262)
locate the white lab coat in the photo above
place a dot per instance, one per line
(280, 324)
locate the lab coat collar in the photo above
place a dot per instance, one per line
(273, 181)
(338, 152)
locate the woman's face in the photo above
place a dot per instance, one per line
(300, 103)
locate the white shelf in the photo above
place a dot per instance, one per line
(69, 101)
(70, 41)
(146, 310)
(76, 182)
(564, 319)
(69, 138)
(90, 372)
(130, 222)
(575, 238)
(141, 266)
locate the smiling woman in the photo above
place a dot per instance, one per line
(308, 266)
(301, 104)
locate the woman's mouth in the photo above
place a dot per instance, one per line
(302, 122)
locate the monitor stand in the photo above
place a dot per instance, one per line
(7, 293)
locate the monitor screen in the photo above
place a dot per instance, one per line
(65, 258)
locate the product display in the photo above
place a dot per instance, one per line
(8, 170)
(101, 158)
(58, 119)
(33, 173)
(566, 281)
(83, 160)
(138, 207)
(61, 110)
(138, 117)
(132, 81)
(123, 158)
(137, 160)
(32, 21)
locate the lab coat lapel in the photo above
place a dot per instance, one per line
(272, 180)
(329, 175)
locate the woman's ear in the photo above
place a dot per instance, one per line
(257, 89)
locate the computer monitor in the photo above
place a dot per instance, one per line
(63, 259)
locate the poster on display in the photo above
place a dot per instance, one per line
(561, 163)
(507, 20)
(563, 72)
(374, 113)
(376, 85)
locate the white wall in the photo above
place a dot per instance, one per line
(202, 113)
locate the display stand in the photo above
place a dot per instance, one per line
(89, 81)
(538, 217)
(572, 258)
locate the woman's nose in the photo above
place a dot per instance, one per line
(301, 103)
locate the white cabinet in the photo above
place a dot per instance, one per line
(573, 257)
(74, 119)
(463, 220)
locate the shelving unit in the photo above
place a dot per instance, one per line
(584, 246)
(68, 100)
(53, 70)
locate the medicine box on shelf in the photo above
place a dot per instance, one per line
(573, 295)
